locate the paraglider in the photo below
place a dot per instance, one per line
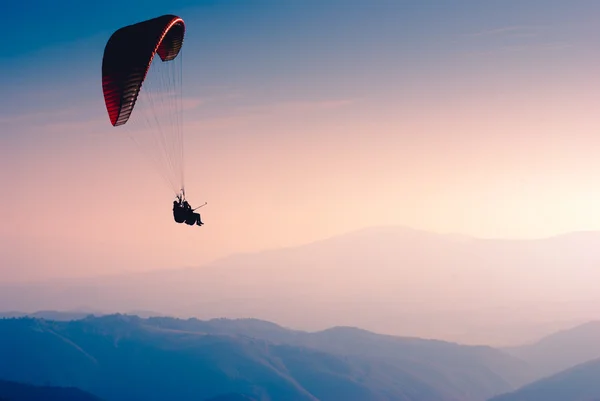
(127, 65)
(183, 212)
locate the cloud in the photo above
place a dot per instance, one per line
(247, 114)
(557, 45)
(512, 30)
(316, 105)
(190, 103)
(84, 115)
(38, 116)
(298, 106)
(511, 39)
(90, 119)
(230, 115)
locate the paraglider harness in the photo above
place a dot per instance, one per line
(183, 212)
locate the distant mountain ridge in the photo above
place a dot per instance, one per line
(13, 391)
(579, 383)
(386, 279)
(165, 358)
(69, 315)
(252, 360)
(232, 397)
(561, 350)
(48, 315)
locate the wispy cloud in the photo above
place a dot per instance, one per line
(511, 39)
(91, 120)
(80, 115)
(318, 104)
(511, 30)
(191, 103)
(557, 45)
(248, 114)
(300, 106)
(39, 116)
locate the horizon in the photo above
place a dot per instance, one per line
(318, 240)
(486, 298)
(300, 200)
(146, 316)
(427, 169)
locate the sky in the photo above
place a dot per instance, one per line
(303, 120)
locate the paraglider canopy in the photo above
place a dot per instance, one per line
(128, 56)
(143, 93)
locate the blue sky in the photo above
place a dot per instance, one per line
(310, 111)
(275, 48)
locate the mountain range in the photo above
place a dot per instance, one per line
(579, 383)
(125, 357)
(12, 391)
(561, 350)
(387, 279)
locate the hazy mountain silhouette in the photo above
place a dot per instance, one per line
(579, 383)
(388, 279)
(12, 391)
(352, 341)
(124, 357)
(232, 397)
(48, 315)
(71, 315)
(562, 350)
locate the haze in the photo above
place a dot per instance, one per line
(309, 120)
